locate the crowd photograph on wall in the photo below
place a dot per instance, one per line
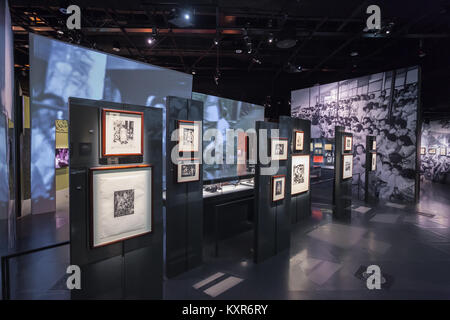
(383, 105)
(435, 155)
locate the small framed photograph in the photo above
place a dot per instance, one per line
(422, 150)
(374, 145)
(299, 137)
(188, 136)
(347, 166)
(121, 203)
(279, 148)
(300, 174)
(318, 145)
(443, 151)
(188, 170)
(61, 158)
(348, 143)
(328, 146)
(374, 162)
(431, 150)
(122, 133)
(278, 187)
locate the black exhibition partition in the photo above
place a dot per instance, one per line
(184, 201)
(370, 177)
(342, 188)
(132, 268)
(300, 203)
(272, 221)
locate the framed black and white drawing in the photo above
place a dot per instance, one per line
(348, 143)
(431, 150)
(188, 136)
(188, 170)
(347, 166)
(279, 148)
(121, 203)
(122, 133)
(422, 150)
(299, 137)
(300, 174)
(374, 162)
(374, 145)
(443, 151)
(278, 187)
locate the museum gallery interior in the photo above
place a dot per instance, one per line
(215, 150)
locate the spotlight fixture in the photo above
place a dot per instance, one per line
(150, 40)
(187, 16)
(193, 72)
(116, 46)
(354, 54)
(238, 51)
(255, 60)
(60, 32)
(216, 41)
(270, 38)
(299, 68)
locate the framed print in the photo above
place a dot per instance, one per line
(374, 162)
(278, 187)
(122, 133)
(188, 136)
(121, 203)
(279, 148)
(299, 136)
(431, 150)
(318, 159)
(318, 151)
(300, 174)
(328, 146)
(61, 158)
(347, 166)
(443, 151)
(348, 143)
(422, 150)
(188, 170)
(374, 145)
(318, 145)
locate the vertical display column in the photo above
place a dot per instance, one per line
(343, 173)
(184, 185)
(299, 165)
(371, 170)
(272, 190)
(116, 223)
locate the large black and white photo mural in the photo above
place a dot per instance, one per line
(384, 105)
(435, 151)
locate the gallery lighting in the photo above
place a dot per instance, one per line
(354, 54)
(270, 38)
(150, 40)
(60, 32)
(116, 46)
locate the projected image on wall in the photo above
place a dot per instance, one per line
(223, 114)
(60, 70)
(383, 105)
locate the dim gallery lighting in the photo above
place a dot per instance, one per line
(187, 16)
(116, 46)
(60, 32)
(150, 40)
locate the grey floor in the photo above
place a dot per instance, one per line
(411, 245)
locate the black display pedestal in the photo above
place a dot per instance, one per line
(133, 268)
(272, 219)
(342, 189)
(369, 185)
(300, 203)
(184, 201)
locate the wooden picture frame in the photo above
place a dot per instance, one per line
(108, 204)
(443, 151)
(347, 166)
(184, 170)
(278, 187)
(277, 145)
(187, 131)
(300, 169)
(431, 150)
(348, 143)
(116, 137)
(423, 150)
(373, 162)
(299, 138)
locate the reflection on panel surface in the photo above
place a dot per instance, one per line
(60, 70)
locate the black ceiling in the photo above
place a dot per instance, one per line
(327, 33)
